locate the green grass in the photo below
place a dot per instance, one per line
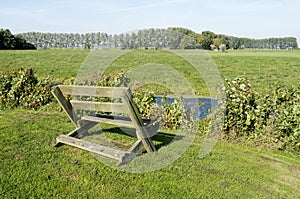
(32, 168)
(264, 69)
(62, 64)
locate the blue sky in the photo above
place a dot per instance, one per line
(255, 19)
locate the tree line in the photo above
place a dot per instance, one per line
(168, 38)
(147, 38)
(9, 41)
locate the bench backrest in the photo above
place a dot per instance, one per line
(124, 105)
(82, 93)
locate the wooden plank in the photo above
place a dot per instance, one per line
(142, 132)
(144, 128)
(99, 106)
(136, 147)
(122, 122)
(85, 126)
(95, 91)
(152, 128)
(125, 123)
(73, 133)
(134, 151)
(92, 147)
(66, 105)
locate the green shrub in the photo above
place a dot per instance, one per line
(173, 114)
(286, 117)
(114, 79)
(22, 88)
(273, 117)
(240, 108)
(146, 102)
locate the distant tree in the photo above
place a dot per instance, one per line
(184, 31)
(219, 40)
(172, 38)
(9, 41)
(188, 43)
(206, 39)
(204, 42)
(188, 37)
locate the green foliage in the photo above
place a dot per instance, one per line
(240, 107)
(22, 88)
(206, 39)
(273, 117)
(172, 38)
(286, 117)
(113, 79)
(173, 114)
(146, 102)
(9, 41)
(189, 37)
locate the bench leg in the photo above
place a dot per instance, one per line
(132, 153)
(85, 126)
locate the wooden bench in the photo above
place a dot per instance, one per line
(120, 103)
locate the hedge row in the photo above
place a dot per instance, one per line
(273, 117)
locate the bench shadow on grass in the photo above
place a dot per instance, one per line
(125, 134)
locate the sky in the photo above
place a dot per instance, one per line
(242, 18)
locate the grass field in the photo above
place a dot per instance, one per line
(262, 68)
(30, 167)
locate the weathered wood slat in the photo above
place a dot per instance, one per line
(66, 105)
(99, 106)
(134, 150)
(73, 133)
(152, 128)
(137, 147)
(125, 123)
(142, 132)
(145, 129)
(95, 91)
(92, 147)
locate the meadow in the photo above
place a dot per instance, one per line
(30, 167)
(263, 68)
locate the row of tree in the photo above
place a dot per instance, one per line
(171, 38)
(247, 43)
(148, 38)
(9, 41)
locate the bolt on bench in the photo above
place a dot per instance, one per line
(124, 104)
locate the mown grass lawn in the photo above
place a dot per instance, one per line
(263, 68)
(60, 63)
(30, 167)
